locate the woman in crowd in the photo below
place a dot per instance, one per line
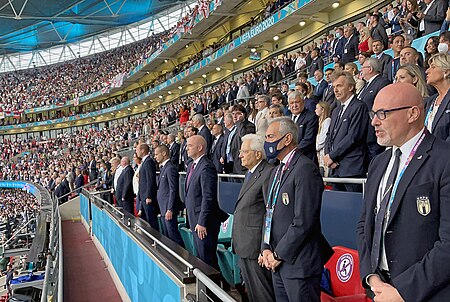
(365, 40)
(411, 74)
(184, 114)
(252, 111)
(362, 56)
(410, 22)
(431, 48)
(437, 111)
(323, 112)
(353, 69)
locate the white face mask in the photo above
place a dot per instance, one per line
(443, 47)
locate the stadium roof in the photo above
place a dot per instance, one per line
(27, 25)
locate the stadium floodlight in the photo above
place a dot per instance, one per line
(218, 68)
(253, 50)
(160, 96)
(204, 75)
(165, 61)
(275, 38)
(302, 23)
(180, 87)
(234, 60)
(335, 4)
(145, 104)
(169, 92)
(191, 82)
(129, 109)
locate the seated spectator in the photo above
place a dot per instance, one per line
(353, 69)
(410, 73)
(431, 48)
(410, 21)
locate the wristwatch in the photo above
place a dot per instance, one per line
(275, 256)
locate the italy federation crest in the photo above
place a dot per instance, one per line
(423, 205)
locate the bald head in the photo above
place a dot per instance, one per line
(196, 146)
(125, 161)
(400, 114)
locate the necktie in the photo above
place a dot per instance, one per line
(379, 219)
(248, 176)
(362, 90)
(214, 145)
(341, 112)
(294, 118)
(191, 170)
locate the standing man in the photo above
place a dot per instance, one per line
(174, 148)
(345, 145)
(217, 146)
(350, 46)
(374, 83)
(316, 63)
(403, 238)
(229, 155)
(384, 59)
(147, 185)
(293, 246)
(168, 197)
(198, 121)
(201, 202)
(79, 180)
(308, 125)
(249, 219)
(328, 94)
(320, 87)
(262, 104)
(93, 173)
(124, 189)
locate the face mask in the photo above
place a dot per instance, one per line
(271, 148)
(443, 47)
(338, 35)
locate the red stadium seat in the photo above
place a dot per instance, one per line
(345, 279)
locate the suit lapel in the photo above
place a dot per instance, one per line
(247, 185)
(442, 108)
(196, 168)
(301, 117)
(291, 164)
(343, 117)
(416, 163)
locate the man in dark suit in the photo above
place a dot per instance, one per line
(328, 94)
(345, 145)
(79, 181)
(168, 194)
(378, 32)
(308, 125)
(249, 219)
(93, 173)
(60, 191)
(320, 87)
(338, 46)
(174, 148)
(398, 42)
(147, 185)
(228, 155)
(198, 121)
(374, 83)
(293, 245)
(350, 46)
(243, 127)
(433, 16)
(201, 202)
(316, 63)
(124, 190)
(403, 233)
(384, 59)
(216, 150)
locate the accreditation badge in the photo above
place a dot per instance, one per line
(285, 198)
(268, 225)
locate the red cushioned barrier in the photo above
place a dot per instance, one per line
(345, 279)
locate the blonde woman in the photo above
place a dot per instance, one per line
(437, 111)
(353, 70)
(323, 111)
(411, 74)
(365, 40)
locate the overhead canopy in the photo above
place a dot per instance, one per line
(27, 25)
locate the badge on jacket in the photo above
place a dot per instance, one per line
(423, 205)
(285, 198)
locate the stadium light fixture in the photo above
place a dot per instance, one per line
(253, 50)
(180, 87)
(234, 60)
(191, 82)
(145, 104)
(112, 113)
(302, 23)
(135, 107)
(335, 4)
(275, 38)
(129, 109)
(218, 68)
(169, 92)
(160, 96)
(204, 75)
(187, 46)
(165, 61)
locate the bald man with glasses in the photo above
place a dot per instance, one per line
(404, 229)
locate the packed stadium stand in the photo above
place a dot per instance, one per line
(225, 150)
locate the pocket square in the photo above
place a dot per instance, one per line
(344, 120)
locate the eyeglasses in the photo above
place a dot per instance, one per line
(381, 114)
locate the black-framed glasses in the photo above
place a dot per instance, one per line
(381, 114)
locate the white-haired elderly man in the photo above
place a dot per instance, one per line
(249, 218)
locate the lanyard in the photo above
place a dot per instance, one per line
(430, 110)
(277, 182)
(408, 161)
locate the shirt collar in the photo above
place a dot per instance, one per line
(347, 102)
(371, 79)
(286, 158)
(198, 159)
(164, 163)
(407, 147)
(252, 170)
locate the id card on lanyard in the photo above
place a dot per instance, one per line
(272, 198)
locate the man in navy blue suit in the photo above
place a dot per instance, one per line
(350, 46)
(308, 125)
(201, 202)
(216, 150)
(320, 87)
(198, 121)
(147, 185)
(293, 246)
(374, 83)
(79, 180)
(174, 149)
(345, 145)
(124, 189)
(168, 196)
(404, 230)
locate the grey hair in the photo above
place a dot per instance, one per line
(265, 98)
(374, 64)
(287, 126)
(256, 143)
(199, 118)
(295, 94)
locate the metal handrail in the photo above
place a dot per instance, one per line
(60, 261)
(358, 181)
(167, 249)
(83, 186)
(15, 233)
(213, 287)
(113, 208)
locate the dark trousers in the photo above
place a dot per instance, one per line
(373, 149)
(296, 289)
(257, 280)
(128, 205)
(172, 231)
(151, 215)
(206, 248)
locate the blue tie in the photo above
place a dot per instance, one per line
(248, 176)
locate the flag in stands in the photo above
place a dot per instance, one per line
(204, 8)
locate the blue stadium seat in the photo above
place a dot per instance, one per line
(229, 265)
(225, 231)
(188, 238)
